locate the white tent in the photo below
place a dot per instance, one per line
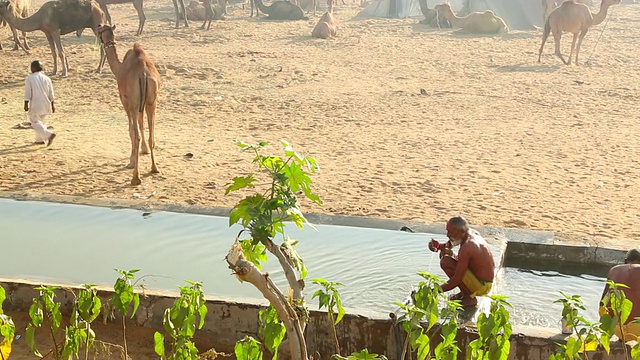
(518, 14)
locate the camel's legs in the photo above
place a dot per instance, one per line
(151, 117)
(134, 132)
(52, 45)
(103, 58)
(141, 17)
(582, 34)
(557, 35)
(144, 150)
(61, 54)
(180, 10)
(573, 46)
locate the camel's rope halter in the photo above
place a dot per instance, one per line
(108, 44)
(600, 37)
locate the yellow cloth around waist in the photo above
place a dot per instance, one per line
(631, 330)
(476, 286)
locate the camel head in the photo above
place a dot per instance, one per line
(4, 6)
(107, 38)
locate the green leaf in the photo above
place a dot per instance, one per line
(626, 308)
(296, 259)
(30, 339)
(240, 182)
(158, 340)
(248, 349)
(423, 347)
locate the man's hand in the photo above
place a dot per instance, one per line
(435, 246)
(26, 106)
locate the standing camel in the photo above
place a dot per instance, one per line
(20, 8)
(475, 23)
(55, 18)
(576, 19)
(326, 27)
(280, 10)
(548, 6)
(181, 12)
(137, 4)
(138, 85)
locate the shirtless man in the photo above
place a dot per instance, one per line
(472, 270)
(628, 274)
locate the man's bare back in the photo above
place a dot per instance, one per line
(628, 274)
(481, 261)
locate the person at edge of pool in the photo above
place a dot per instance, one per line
(629, 275)
(472, 269)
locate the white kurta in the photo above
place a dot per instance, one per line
(39, 93)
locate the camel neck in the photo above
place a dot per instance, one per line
(113, 60)
(262, 7)
(22, 24)
(602, 14)
(453, 19)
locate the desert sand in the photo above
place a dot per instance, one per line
(406, 121)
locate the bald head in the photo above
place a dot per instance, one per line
(459, 223)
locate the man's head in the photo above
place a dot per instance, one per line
(457, 229)
(633, 257)
(36, 66)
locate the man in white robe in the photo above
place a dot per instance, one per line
(38, 102)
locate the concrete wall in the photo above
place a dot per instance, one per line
(229, 321)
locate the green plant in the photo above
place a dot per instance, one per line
(44, 308)
(362, 355)
(615, 299)
(494, 331)
(123, 298)
(7, 329)
(271, 330)
(420, 317)
(86, 309)
(264, 215)
(180, 321)
(248, 349)
(329, 297)
(588, 335)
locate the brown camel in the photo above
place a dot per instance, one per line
(181, 13)
(206, 11)
(280, 10)
(138, 85)
(137, 4)
(326, 27)
(20, 8)
(55, 18)
(548, 6)
(475, 23)
(432, 17)
(576, 19)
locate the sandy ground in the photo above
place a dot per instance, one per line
(496, 136)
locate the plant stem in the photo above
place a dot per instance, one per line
(624, 341)
(86, 345)
(335, 335)
(53, 338)
(124, 335)
(404, 348)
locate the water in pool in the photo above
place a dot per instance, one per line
(77, 244)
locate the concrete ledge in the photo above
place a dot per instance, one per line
(229, 321)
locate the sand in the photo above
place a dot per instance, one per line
(406, 121)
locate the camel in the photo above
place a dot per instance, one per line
(137, 4)
(138, 85)
(55, 18)
(548, 6)
(181, 12)
(432, 17)
(326, 27)
(21, 8)
(576, 19)
(280, 10)
(475, 23)
(206, 11)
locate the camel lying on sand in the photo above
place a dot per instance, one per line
(326, 27)
(21, 8)
(55, 18)
(138, 85)
(280, 10)
(206, 11)
(576, 19)
(432, 17)
(475, 23)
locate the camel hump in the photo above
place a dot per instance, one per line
(137, 49)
